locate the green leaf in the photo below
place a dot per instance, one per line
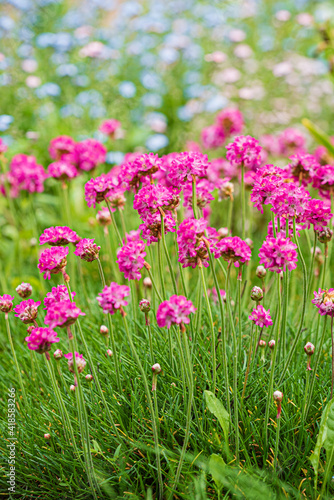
(217, 408)
(216, 467)
(324, 438)
(319, 135)
(118, 449)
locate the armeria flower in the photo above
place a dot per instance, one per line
(174, 311)
(6, 303)
(62, 314)
(212, 137)
(62, 171)
(3, 147)
(136, 171)
(303, 167)
(226, 189)
(152, 197)
(324, 301)
(318, 214)
(58, 236)
(109, 127)
(212, 292)
(57, 294)
(244, 150)
(62, 148)
(184, 166)
(130, 259)
(27, 311)
(232, 249)
(151, 226)
(40, 339)
(230, 120)
(267, 181)
(87, 250)
(116, 198)
(89, 153)
(96, 190)
(79, 361)
(26, 174)
(52, 261)
(103, 217)
(289, 200)
(270, 144)
(261, 317)
(192, 245)
(24, 290)
(323, 180)
(278, 254)
(291, 141)
(112, 297)
(133, 235)
(203, 193)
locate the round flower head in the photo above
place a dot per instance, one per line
(271, 344)
(27, 311)
(58, 354)
(261, 272)
(151, 227)
(130, 259)
(62, 148)
(57, 294)
(26, 174)
(303, 167)
(147, 282)
(278, 397)
(318, 214)
(184, 166)
(262, 344)
(267, 181)
(89, 377)
(226, 190)
(62, 171)
(289, 200)
(323, 179)
(230, 120)
(87, 250)
(212, 137)
(325, 235)
(52, 261)
(58, 236)
(204, 197)
(261, 317)
(104, 331)
(134, 172)
(109, 127)
(112, 297)
(309, 348)
(291, 141)
(156, 368)
(72, 388)
(47, 436)
(324, 301)
(192, 245)
(89, 153)
(257, 293)
(40, 339)
(6, 303)
(109, 352)
(96, 190)
(152, 197)
(24, 290)
(62, 314)
(233, 249)
(103, 217)
(278, 254)
(174, 311)
(145, 306)
(244, 150)
(79, 361)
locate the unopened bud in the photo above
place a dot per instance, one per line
(156, 368)
(109, 352)
(226, 190)
(24, 290)
(72, 388)
(58, 354)
(89, 377)
(30, 329)
(325, 235)
(47, 436)
(147, 282)
(278, 397)
(309, 349)
(261, 272)
(145, 306)
(104, 330)
(262, 344)
(257, 294)
(271, 344)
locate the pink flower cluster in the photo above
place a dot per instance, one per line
(192, 245)
(89, 154)
(62, 171)
(324, 301)
(151, 226)
(130, 259)
(6, 303)
(25, 174)
(62, 314)
(261, 317)
(57, 294)
(184, 166)
(96, 190)
(232, 249)
(136, 171)
(79, 361)
(109, 127)
(174, 311)
(278, 254)
(87, 250)
(112, 297)
(52, 261)
(58, 236)
(62, 148)
(27, 311)
(40, 339)
(228, 122)
(244, 150)
(152, 197)
(203, 193)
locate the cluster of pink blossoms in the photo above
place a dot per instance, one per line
(41, 338)
(204, 197)
(174, 311)
(130, 259)
(324, 301)
(52, 261)
(151, 227)
(278, 254)
(57, 294)
(6, 303)
(232, 249)
(62, 171)
(228, 122)
(24, 174)
(192, 244)
(303, 167)
(109, 127)
(140, 170)
(244, 150)
(96, 190)
(151, 197)
(112, 297)
(79, 361)
(185, 166)
(62, 148)
(27, 311)
(58, 236)
(87, 250)
(261, 317)
(62, 314)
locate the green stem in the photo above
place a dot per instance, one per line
(160, 265)
(243, 205)
(120, 242)
(194, 200)
(15, 361)
(171, 269)
(277, 442)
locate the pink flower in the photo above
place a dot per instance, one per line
(62, 148)
(184, 166)
(267, 181)
(303, 167)
(244, 150)
(96, 190)
(232, 249)
(324, 301)
(112, 297)
(203, 193)
(323, 180)
(136, 171)
(152, 197)
(278, 254)
(192, 245)
(291, 141)
(230, 120)
(26, 174)
(62, 171)
(109, 127)
(57, 294)
(27, 311)
(116, 198)
(174, 311)
(130, 259)
(103, 217)
(3, 147)
(52, 261)
(87, 250)
(6, 303)
(289, 200)
(151, 227)
(261, 317)
(58, 236)
(79, 361)
(212, 292)
(24, 290)
(318, 214)
(212, 137)
(89, 153)
(62, 314)
(40, 339)
(133, 235)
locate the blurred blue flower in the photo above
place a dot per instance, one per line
(169, 55)
(89, 97)
(67, 70)
(25, 50)
(151, 80)
(97, 111)
(71, 110)
(127, 89)
(62, 42)
(152, 100)
(5, 79)
(215, 103)
(7, 23)
(185, 114)
(156, 142)
(130, 9)
(48, 89)
(5, 121)
(81, 80)
(21, 4)
(114, 157)
(45, 40)
(148, 60)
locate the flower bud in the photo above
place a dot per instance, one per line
(261, 272)
(156, 368)
(24, 290)
(30, 329)
(47, 436)
(173, 384)
(223, 232)
(278, 397)
(325, 235)
(58, 354)
(104, 330)
(147, 282)
(89, 377)
(6, 303)
(72, 388)
(262, 344)
(226, 191)
(309, 349)
(109, 352)
(249, 243)
(271, 344)
(257, 294)
(145, 306)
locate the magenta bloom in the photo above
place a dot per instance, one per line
(62, 314)
(244, 150)
(130, 259)
(52, 261)
(133, 235)
(318, 214)
(230, 120)
(97, 189)
(58, 236)
(87, 250)
(27, 310)
(151, 227)
(174, 311)
(137, 170)
(62, 148)
(212, 292)
(291, 141)
(303, 167)
(89, 153)
(6, 303)
(152, 197)
(268, 180)
(3, 147)
(323, 180)
(62, 171)
(109, 127)
(212, 137)
(24, 290)
(26, 175)
(184, 166)
(324, 301)
(40, 339)
(232, 249)
(261, 317)
(192, 245)
(57, 294)
(112, 297)
(79, 361)
(278, 254)
(203, 193)
(289, 200)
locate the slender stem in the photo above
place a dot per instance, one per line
(169, 262)
(277, 442)
(160, 265)
(149, 331)
(154, 284)
(120, 242)
(248, 362)
(310, 276)
(239, 313)
(212, 328)
(15, 361)
(229, 215)
(194, 200)
(121, 216)
(243, 206)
